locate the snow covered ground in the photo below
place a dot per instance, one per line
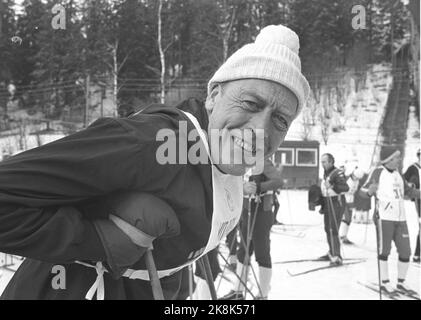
(307, 240)
(303, 237)
(412, 143)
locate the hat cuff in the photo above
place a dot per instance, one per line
(394, 154)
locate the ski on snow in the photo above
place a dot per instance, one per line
(395, 295)
(347, 263)
(313, 260)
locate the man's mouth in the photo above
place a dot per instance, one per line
(245, 145)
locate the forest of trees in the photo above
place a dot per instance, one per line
(115, 43)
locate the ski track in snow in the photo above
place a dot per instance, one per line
(338, 283)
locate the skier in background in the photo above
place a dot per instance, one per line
(258, 192)
(362, 205)
(333, 188)
(412, 175)
(352, 181)
(276, 204)
(389, 188)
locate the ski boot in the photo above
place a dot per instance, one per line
(387, 288)
(336, 261)
(345, 240)
(326, 257)
(233, 295)
(402, 288)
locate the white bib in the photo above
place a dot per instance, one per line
(227, 206)
(390, 195)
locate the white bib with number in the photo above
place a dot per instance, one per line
(390, 195)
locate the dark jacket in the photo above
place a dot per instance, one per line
(268, 180)
(412, 176)
(50, 195)
(337, 180)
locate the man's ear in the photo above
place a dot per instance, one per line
(211, 98)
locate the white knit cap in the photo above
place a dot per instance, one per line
(273, 56)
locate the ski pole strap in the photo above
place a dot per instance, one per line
(138, 237)
(153, 276)
(98, 286)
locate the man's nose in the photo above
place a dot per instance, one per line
(263, 121)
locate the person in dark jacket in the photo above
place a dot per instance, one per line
(54, 199)
(333, 189)
(412, 176)
(362, 204)
(255, 225)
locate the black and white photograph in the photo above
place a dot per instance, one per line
(216, 150)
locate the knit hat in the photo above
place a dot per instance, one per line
(273, 56)
(387, 154)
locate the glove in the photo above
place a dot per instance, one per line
(372, 189)
(314, 197)
(249, 188)
(135, 220)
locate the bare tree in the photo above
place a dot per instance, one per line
(225, 27)
(161, 52)
(115, 67)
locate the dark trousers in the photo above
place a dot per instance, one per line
(396, 231)
(275, 207)
(347, 216)
(333, 212)
(417, 247)
(260, 237)
(213, 263)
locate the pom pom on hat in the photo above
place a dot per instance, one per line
(279, 35)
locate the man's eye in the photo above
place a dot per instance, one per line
(280, 123)
(250, 105)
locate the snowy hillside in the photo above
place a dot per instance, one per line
(358, 123)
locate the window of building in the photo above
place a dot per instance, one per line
(306, 157)
(285, 156)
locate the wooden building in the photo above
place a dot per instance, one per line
(300, 161)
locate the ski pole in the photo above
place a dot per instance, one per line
(250, 235)
(378, 236)
(190, 282)
(209, 277)
(244, 269)
(237, 276)
(153, 276)
(252, 269)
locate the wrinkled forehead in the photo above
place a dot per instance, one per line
(266, 92)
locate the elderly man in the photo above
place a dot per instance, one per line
(60, 202)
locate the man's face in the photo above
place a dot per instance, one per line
(241, 107)
(326, 164)
(394, 163)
